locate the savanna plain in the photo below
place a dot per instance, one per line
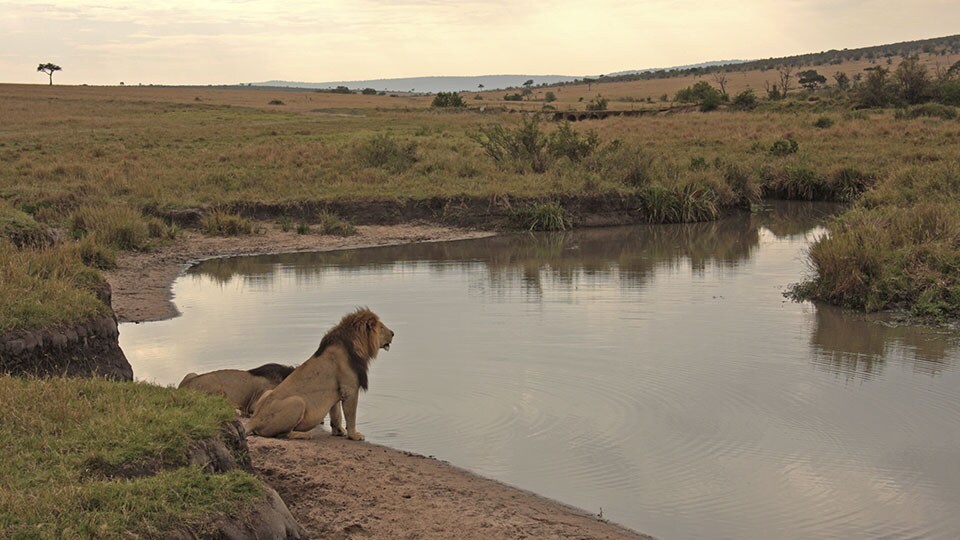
(92, 176)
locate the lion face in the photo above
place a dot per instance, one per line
(386, 335)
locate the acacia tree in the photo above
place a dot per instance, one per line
(786, 75)
(720, 77)
(49, 68)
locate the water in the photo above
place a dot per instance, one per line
(654, 372)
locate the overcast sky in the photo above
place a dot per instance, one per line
(227, 42)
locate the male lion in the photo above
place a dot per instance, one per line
(334, 374)
(241, 388)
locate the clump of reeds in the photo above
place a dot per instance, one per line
(223, 223)
(330, 223)
(548, 216)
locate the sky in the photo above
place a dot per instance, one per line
(239, 41)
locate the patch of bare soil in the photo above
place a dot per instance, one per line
(141, 282)
(337, 488)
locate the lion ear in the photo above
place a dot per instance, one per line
(371, 323)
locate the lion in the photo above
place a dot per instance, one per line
(241, 388)
(335, 374)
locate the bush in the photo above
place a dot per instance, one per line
(948, 93)
(823, 122)
(369, 92)
(566, 142)
(221, 223)
(524, 147)
(448, 99)
(550, 97)
(275, 102)
(332, 224)
(784, 147)
(384, 151)
(598, 103)
(117, 226)
(745, 101)
(928, 110)
(513, 97)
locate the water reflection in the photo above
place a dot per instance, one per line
(630, 254)
(858, 346)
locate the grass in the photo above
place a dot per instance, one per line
(102, 161)
(67, 432)
(222, 223)
(47, 287)
(899, 247)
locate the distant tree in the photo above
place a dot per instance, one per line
(549, 97)
(369, 92)
(842, 80)
(529, 83)
(786, 75)
(341, 90)
(49, 69)
(720, 77)
(512, 97)
(810, 79)
(913, 81)
(480, 87)
(876, 90)
(448, 99)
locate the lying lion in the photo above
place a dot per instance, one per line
(241, 388)
(334, 374)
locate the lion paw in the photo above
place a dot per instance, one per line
(338, 431)
(355, 436)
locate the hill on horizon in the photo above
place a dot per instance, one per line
(444, 83)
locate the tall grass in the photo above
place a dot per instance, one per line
(46, 287)
(223, 223)
(118, 226)
(899, 248)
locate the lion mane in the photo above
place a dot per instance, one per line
(358, 333)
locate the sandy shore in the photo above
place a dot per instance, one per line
(338, 488)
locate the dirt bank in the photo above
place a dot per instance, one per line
(336, 488)
(344, 489)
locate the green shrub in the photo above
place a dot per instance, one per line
(784, 147)
(332, 224)
(222, 223)
(448, 99)
(565, 142)
(369, 92)
(513, 97)
(598, 103)
(549, 216)
(823, 122)
(524, 147)
(303, 228)
(948, 93)
(118, 226)
(550, 97)
(386, 152)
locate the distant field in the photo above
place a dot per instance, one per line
(569, 96)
